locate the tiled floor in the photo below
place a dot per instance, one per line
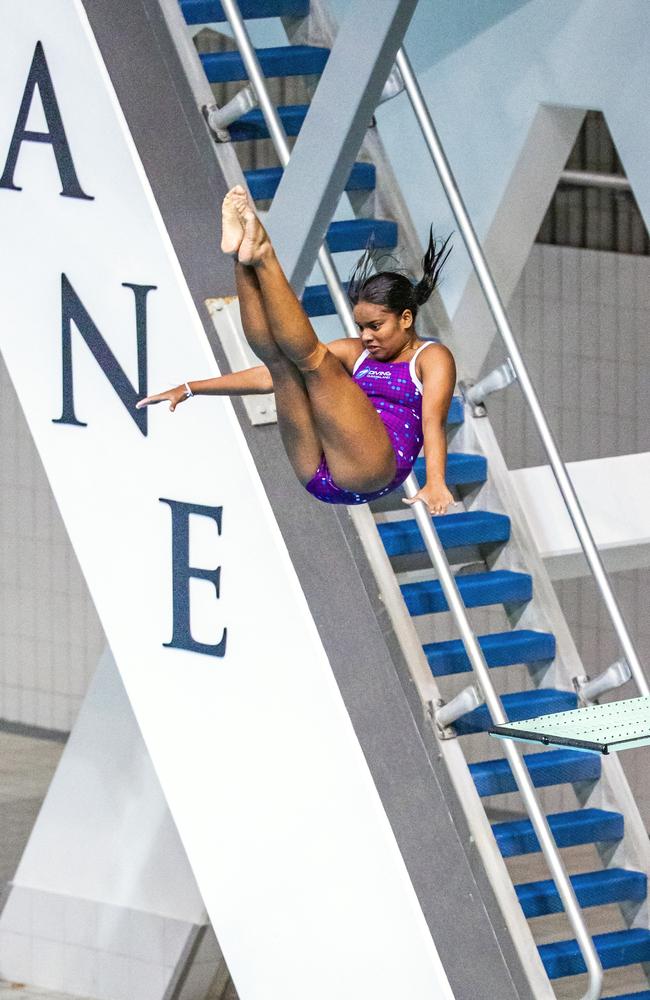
(26, 767)
(17, 991)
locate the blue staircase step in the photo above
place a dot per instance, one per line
(461, 468)
(353, 234)
(211, 11)
(252, 124)
(263, 182)
(477, 589)
(281, 60)
(563, 958)
(550, 767)
(500, 649)
(466, 528)
(614, 885)
(518, 706)
(317, 301)
(582, 826)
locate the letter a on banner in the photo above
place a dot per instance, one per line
(39, 76)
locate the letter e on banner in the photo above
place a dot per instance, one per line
(182, 573)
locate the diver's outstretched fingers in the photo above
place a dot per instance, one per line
(175, 396)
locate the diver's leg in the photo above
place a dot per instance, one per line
(353, 437)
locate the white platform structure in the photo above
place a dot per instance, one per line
(298, 806)
(159, 526)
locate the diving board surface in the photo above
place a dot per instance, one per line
(619, 725)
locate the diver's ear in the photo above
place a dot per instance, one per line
(407, 319)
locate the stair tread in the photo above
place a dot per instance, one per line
(465, 528)
(461, 468)
(477, 590)
(353, 234)
(581, 826)
(211, 11)
(615, 948)
(500, 649)
(277, 60)
(252, 124)
(518, 706)
(263, 181)
(317, 301)
(612, 885)
(550, 767)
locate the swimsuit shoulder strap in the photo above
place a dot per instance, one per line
(357, 363)
(418, 383)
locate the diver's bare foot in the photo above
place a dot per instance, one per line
(255, 245)
(232, 229)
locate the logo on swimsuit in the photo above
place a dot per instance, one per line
(368, 373)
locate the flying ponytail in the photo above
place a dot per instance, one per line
(394, 289)
(432, 264)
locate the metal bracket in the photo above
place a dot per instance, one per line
(474, 393)
(394, 85)
(219, 119)
(226, 318)
(613, 677)
(445, 714)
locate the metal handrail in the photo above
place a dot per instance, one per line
(499, 314)
(595, 179)
(519, 770)
(435, 550)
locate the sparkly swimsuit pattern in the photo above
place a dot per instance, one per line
(396, 393)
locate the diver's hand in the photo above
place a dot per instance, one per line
(175, 396)
(435, 495)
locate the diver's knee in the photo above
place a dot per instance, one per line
(312, 361)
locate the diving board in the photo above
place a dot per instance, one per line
(620, 725)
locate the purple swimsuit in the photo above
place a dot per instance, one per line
(396, 393)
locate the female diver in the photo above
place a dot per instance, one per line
(353, 414)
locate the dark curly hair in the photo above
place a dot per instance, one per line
(394, 289)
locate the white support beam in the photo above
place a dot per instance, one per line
(330, 138)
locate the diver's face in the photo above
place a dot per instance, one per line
(383, 333)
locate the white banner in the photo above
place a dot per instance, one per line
(245, 725)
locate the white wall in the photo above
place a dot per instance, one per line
(50, 635)
(582, 319)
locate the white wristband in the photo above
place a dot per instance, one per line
(189, 391)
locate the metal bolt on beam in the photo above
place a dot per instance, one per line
(219, 119)
(475, 393)
(445, 714)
